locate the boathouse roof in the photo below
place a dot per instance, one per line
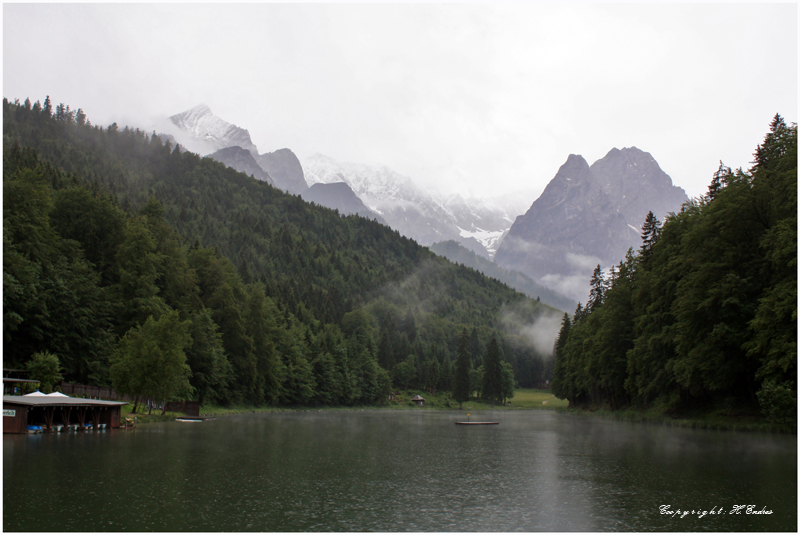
(58, 401)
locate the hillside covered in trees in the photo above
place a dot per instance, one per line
(166, 274)
(705, 314)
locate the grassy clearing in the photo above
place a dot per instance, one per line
(524, 399)
(143, 418)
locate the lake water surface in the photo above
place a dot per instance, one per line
(399, 471)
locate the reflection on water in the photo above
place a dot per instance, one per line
(398, 471)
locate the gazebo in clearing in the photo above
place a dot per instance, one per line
(419, 400)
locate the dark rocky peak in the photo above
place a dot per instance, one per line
(285, 170)
(636, 183)
(242, 160)
(339, 196)
(571, 191)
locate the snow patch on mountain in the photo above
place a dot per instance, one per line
(490, 239)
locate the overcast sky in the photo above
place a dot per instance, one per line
(473, 98)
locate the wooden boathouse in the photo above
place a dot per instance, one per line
(49, 411)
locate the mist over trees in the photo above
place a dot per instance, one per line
(705, 313)
(118, 247)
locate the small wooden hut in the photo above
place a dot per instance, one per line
(419, 400)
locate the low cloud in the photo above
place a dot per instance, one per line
(539, 332)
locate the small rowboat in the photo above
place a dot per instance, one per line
(477, 423)
(188, 420)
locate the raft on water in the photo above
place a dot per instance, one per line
(477, 423)
(194, 418)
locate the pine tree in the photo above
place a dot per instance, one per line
(598, 289)
(579, 314)
(651, 231)
(48, 107)
(493, 373)
(475, 348)
(461, 387)
(719, 180)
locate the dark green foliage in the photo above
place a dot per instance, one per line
(150, 359)
(707, 311)
(46, 368)
(778, 402)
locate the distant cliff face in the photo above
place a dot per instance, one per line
(588, 216)
(242, 160)
(339, 196)
(636, 184)
(285, 170)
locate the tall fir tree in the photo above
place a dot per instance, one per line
(461, 386)
(492, 388)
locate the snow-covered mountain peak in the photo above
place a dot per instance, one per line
(211, 131)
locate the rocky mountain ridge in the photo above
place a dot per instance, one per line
(588, 216)
(426, 216)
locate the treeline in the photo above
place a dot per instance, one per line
(119, 248)
(706, 313)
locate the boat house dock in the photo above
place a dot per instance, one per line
(53, 412)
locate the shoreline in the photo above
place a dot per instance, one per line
(708, 421)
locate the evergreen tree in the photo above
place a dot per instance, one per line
(493, 373)
(461, 386)
(475, 350)
(651, 230)
(559, 386)
(719, 180)
(597, 290)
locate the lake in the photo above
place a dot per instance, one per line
(382, 470)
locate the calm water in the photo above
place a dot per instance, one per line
(398, 471)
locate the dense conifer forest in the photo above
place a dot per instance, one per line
(705, 313)
(164, 274)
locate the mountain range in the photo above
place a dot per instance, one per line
(587, 215)
(376, 192)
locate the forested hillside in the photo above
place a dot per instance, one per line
(520, 282)
(706, 313)
(114, 242)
